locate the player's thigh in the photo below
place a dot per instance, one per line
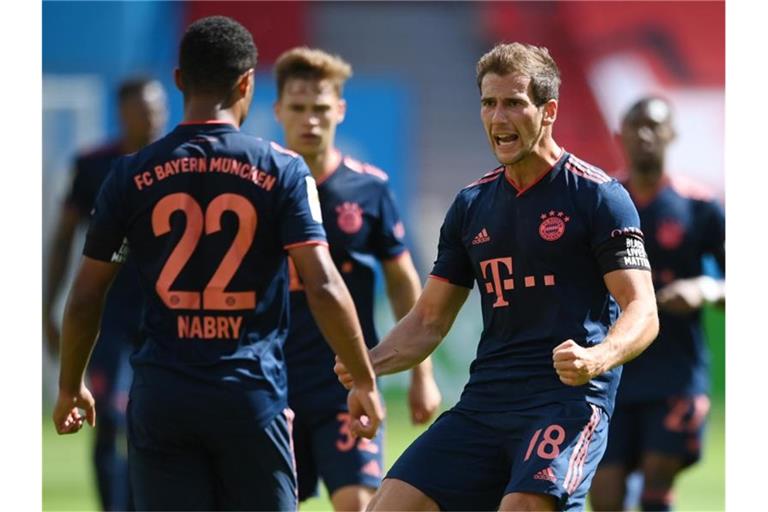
(608, 487)
(396, 494)
(352, 497)
(171, 480)
(168, 469)
(674, 428)
(524, 502)
(343, 460)
(659, 470)
(306, 465)
(254, 467)
(625, 437)
(558, 452)
(458, 462)
(622, 454)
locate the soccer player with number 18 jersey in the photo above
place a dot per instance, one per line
(209, 215)
(551, 241)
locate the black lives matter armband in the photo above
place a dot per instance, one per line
(625, 249)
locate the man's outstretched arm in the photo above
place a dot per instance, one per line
(418, 333)
(403, 289)
(78, 335)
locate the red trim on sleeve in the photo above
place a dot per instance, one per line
(308, 242)
(433, 276)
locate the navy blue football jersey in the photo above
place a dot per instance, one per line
(207, 213)
(682, 224)
(363, 227)
(539, 256)
(123, 307)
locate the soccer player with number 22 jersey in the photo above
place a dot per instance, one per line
(209, 215)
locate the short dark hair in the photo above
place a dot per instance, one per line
(214, 52)
(528, 60)
(654, 107)
(133, 87)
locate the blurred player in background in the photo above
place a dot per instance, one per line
(143, 113)
(209, 214)
(662, 402)
(363, 226)
(551, 241)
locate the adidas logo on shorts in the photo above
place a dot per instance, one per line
(546, 474)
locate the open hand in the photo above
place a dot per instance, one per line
(681, 297)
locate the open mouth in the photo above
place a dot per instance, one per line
(505, 139)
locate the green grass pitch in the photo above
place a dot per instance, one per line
(68, 474)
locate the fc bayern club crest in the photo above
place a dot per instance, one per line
(552, 225)
(350, 218)
(670, 234)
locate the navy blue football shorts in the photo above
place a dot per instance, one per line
(325, 449)
(194, 458)
(673, 426)
(471, 461)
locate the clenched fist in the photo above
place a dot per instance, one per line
(576, 365)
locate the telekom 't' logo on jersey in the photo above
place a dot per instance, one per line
(498, 272)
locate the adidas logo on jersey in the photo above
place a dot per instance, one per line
(481, 238)
(546, 474)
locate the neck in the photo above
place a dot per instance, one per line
(645, 179)
(322, 164)
(132, 144)
(209, 109)
(541, 159)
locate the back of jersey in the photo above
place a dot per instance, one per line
(207, 213)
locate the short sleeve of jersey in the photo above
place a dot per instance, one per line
(617, 240)
(77, 195)
(453, 263)
(300, 217)
(714, 232)
(388, 239)
(106, 231)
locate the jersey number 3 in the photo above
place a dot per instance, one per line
(213, 296)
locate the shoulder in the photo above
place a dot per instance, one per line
(366, 172)
(691, 189)
(581, 171)
(472, 193)
(591, 182)
(98, 154)
(488, 177)
(283, 160)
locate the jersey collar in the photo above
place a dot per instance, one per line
(549, 172)
(209, 122)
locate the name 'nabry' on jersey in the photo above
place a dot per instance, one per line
(229, 221)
